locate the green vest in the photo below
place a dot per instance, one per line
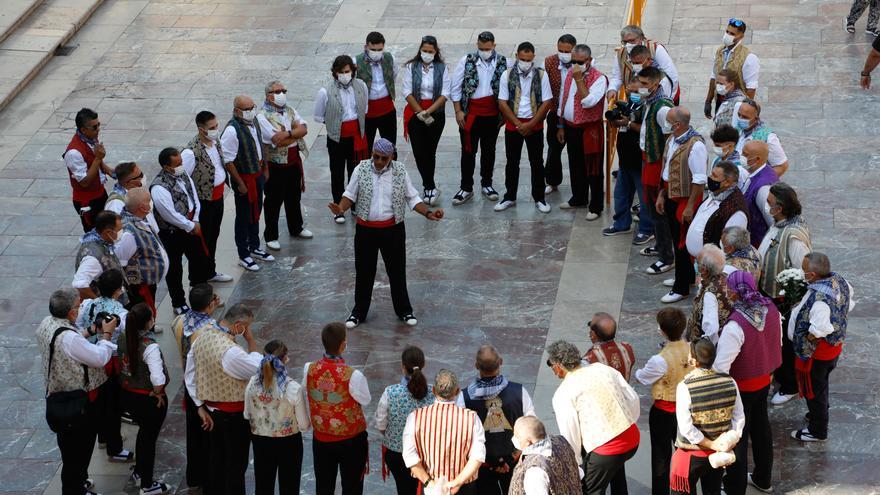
(365, 72)
(655, 141)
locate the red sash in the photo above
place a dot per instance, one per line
(293, 158)
(486, 106)
(381, 224)
(380, 107)
(352, 129)
(227, 407)
(620, 444)
(217, 193)
(143, 290)
(680, 467)
(250, 181)
(665, 405)
(137, 390)
(680, 205)
(409, 113)
(803, 369)
(753, 384)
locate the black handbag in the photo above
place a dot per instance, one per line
(65, 411)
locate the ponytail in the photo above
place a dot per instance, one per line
(136, 322)
(272, 365)
(413, 360)
(268, 371)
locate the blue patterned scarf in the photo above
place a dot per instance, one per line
(278, 368)
(749, 302)
(487, 388)
(90, 142)
(194, 320)
(691, 132)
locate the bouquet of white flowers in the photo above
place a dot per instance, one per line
(792, 287)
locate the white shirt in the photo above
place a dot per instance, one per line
(694, 238)
(653, 370)
(84, 352)
(661, 120)
(525, 101)
(761, 197)
(89, 269)
(378, 89)
(164, 204)
(346, 96)
(485, 72)
(384, 403)
(820, 316)
(268, 130)
(411, 454)
(383, 186)
(189, 163)
(797, 250)
(117, 205)
(662, 61)
(686, 421)
(236, 362)
(229, 143)
(126, 247)
(78, 167)
(535, 480)
(153, 358)
(710, 324)
(426, 92)
(596, 91)
(729, 345)
(750, 69)
(696, 161)
(357, 387)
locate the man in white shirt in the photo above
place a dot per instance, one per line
(524, 124)
(139, 249)
(557, 67)
(97, 253)
(747, 120)
(546, 465)
(383, 191)
(641, 57)
(84, 159)
(724, 206)
(624, 70)
(733, 55)
(128, 176)
(377, 69)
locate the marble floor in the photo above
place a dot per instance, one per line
(517, 279)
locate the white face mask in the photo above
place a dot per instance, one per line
(637, 68)
(427, 57)
(666, 128)
(178, 171)
(728, 39)
(744, 162)
(721, 89)
(644, 92)
(565, 57)
(280, 99)
(630, 46)
(516, 443)
(344, 79)
(376, 55)
(248, 115)
(213, 134)
(486, 54)
(718, 150)
(524, 66)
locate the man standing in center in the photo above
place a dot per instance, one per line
(499, 403)
(557, 67)
(380, 228)
(376, 68)
(475, 86)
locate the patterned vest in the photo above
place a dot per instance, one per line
(96, 188)
(203, 173)
(833, 291)
(335, 414)
(333, 111)
(655, 142)
(101, 251)
(551, 66)
(147, 264)
(178, 196)
(117, 193)
(734, 202)
(776, 258)
(212, 383)
(472, 77)
(734, 63)
(498, 415)
(713, 397)
(626, 68)
(717, 286)
(585, 115)
(619, 356)
(747, 260)
(676, 356)
(270, 413)
(416, 72)
(679, 171)
(761, 352)
(561, 468)
(603, 412)
(138, 377)
(443, 437)
(724, 115)
(67, 374)
(273, 153)
(195, 321)
(247, 159)
(400, 404)
(757, 224)
(365, 190)
(514, 89)
(365, 72)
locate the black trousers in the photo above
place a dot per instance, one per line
(149, 419)
(385, 124)
(490, 482)
(247, 232)
(230, 449)
(553, 167)
(109, 405)
(757, 429)
(684, 267)
(279, 457)
(391, 243)
(513, 144)
(817, 415)
(210, 218)
(663, 431)
(424, 140)
(403, 480)
(586, 190)
(485, 134)
(177, 245)
(88, 218)
(76, 452)
(784, 375)
(603, 470)
(198, 446)
(347, 457)
(341, 159)
(709, 477)
(283, 187)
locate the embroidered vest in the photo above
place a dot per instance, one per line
(147, 265)
(365, 190)
(561, 468)
(270, 413)
(179, 196)
(443, 437)
(733, 203)
(247, 158)
(585, 115)
(833, 291)
(333, 112)
(734, 63)
(472, 77)
(761, 352)
(203, 173)
(400, 404)
(101, 251)
(655, 141)
(676, 356)
(747, 260)
(96, 188)
(416, 72)
(757, 224)
(514, 90)
(212, 383)
(195, 320)
(713, 397)
(603, 412)
(776, 258)
(117, 194)
(137, 377)
(498, 415)
(335, 414)
(717, 286)
(554, 75)
(626, 68)
(679, 171)
(365, 72)
(67, 374)
(619, 356)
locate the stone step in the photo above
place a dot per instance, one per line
(13, 13)
(34, 39)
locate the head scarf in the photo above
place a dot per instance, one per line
(384, 147)
(278, 368)
(750, 303)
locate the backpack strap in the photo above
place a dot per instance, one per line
(58, 332)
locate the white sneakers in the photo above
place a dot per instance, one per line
(504, 204)
(781, 399)
(274, 245)
(672, 297)
(431, 197)
(490, 193)
(592, 216)
(304, 234)
(462, 197)
(669, 282)
(550, 189)
(542, 206)
(220, 277)
(566, 206)
(249, 264)
(340, 219)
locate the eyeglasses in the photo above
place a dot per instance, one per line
(733, 21)
(139, 177)
(279, 91)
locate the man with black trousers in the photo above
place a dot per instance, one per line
(556, 66)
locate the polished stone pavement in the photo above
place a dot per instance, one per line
(517, 279)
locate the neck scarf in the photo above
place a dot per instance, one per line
(194, 320)
(344, 86)
(90, 142)
(721, 196)
(333, 357)
(118, 189)
(270, 107)
(750, 303)
(735, 93)
(94, 236)
(653, 97)
(691, 132)
(487, 388)
(277, 367)
(795, 220)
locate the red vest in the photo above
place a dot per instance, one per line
(444, 433)
(585, 115)
(551, 67)
(96, 189)
(335, 414)
(761, 352)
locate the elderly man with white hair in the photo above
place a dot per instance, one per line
(547, 464)
(139, 249)
(713, 304)
(739, 252)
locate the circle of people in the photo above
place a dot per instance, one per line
(767, 309)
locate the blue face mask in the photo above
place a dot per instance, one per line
(635, 97)
(741, 124)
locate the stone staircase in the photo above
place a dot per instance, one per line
(31, 32)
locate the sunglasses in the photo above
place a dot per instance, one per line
(138, 177)
(93, 127)
(279, 91)
(733, 21)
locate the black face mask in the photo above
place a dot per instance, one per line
(712, 184)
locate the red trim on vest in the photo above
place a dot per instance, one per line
(217, 192)
(486, 106)
(96, 189)
(583, 115)
(753, 384)
(380, 107)
(620, 444)
(665, 405)
(409, 113)
(381, 224)
(227, 407)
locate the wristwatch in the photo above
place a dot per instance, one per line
(866, 74)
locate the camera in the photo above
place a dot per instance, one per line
(623, 109)
(104, 317)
